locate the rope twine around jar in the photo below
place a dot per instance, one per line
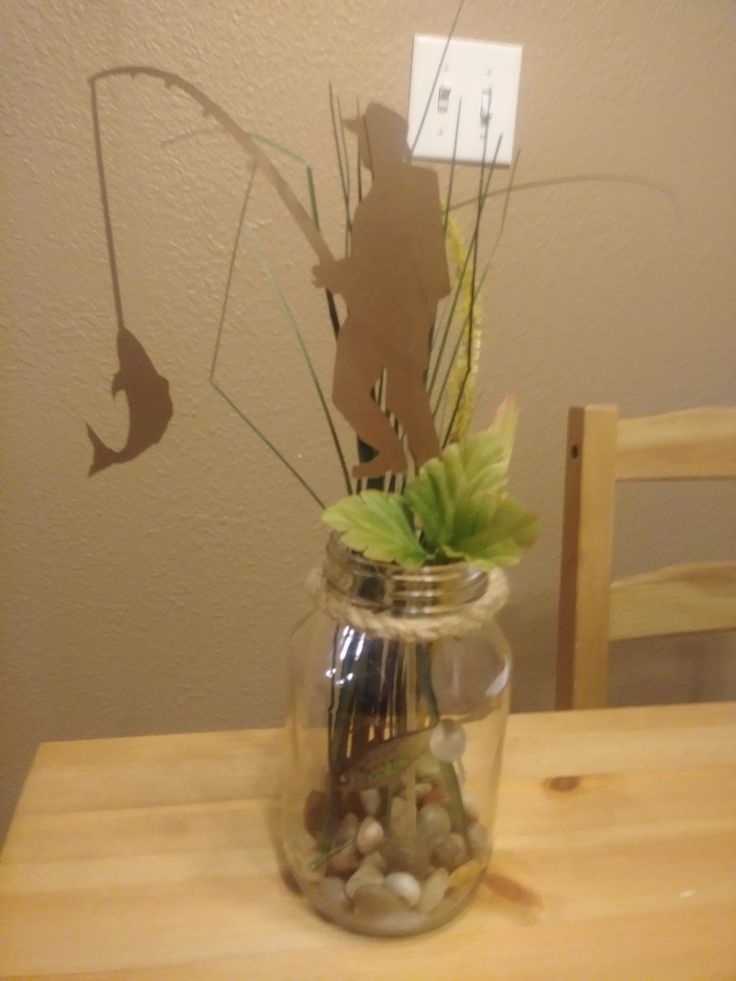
(414, 629)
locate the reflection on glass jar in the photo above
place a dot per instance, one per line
(398, 708)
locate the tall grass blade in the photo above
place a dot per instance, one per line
(583, 179)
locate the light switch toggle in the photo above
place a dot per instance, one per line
(485, 106)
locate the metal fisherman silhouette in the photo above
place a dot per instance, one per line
(392, 280)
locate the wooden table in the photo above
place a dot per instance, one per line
(153, 858)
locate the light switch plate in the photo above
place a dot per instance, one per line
(474, 94)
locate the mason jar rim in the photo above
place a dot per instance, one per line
(425, 591)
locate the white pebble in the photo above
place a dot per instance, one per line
(405, 886)
(447, 742)
(370, 801)
(370, 835)
(367, 875)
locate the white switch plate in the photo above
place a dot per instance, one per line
(485, 77)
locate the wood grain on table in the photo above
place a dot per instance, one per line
(156, 858)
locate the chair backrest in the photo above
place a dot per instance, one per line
(601, 450)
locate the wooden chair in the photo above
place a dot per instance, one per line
(601, 450)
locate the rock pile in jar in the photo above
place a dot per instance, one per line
(382, 866)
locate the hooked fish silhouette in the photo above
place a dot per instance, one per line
(149, 404)
(386, 762)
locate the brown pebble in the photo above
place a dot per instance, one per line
(347, 829)
(314, 811)
(377, 901)
(350, 803)
(437, 795)
(451, 851)
(344, 862)
(407, 856)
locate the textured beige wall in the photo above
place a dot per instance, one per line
(158, 596)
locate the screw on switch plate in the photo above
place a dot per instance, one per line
(463, 98)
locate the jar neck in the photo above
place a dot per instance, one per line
(384, 587)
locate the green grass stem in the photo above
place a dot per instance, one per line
(305, 351)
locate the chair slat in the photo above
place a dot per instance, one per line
(675, 600)
(693, 444)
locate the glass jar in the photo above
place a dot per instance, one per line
(399, 697)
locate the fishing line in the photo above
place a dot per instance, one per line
(109, 238)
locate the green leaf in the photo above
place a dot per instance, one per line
(496, 534)
(450, 490)
(458, 502)
(460, 499)
(377, 524)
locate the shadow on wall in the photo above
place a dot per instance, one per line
(531, 630)
(668, 670)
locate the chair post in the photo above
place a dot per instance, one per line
(587, 538)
